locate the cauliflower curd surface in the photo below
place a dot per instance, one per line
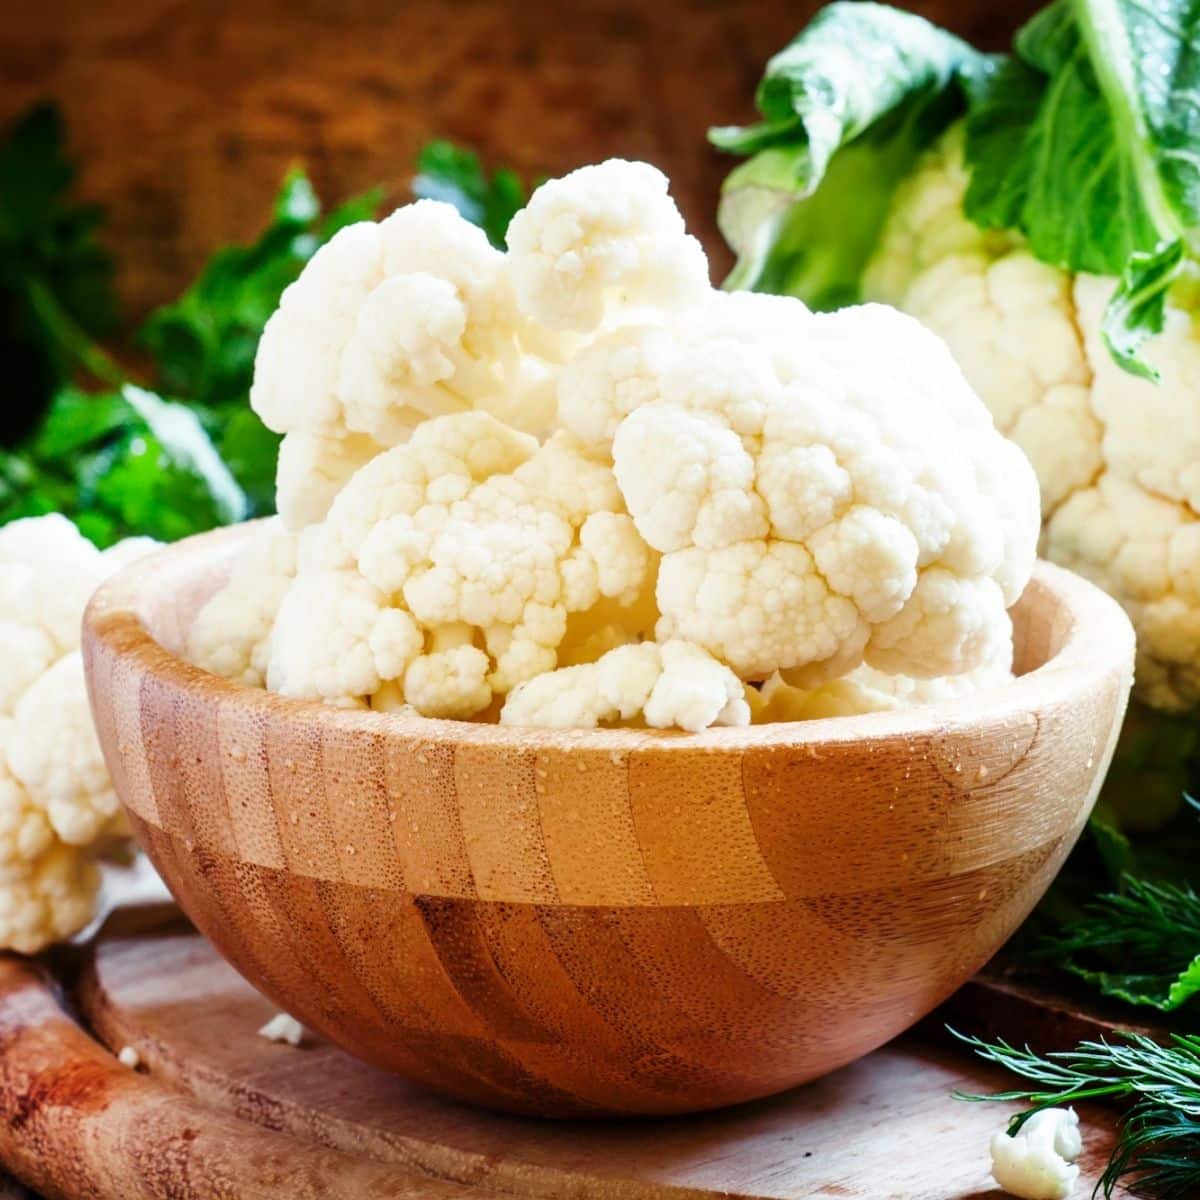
(58, 810)
(572, 485)
(1117, 457)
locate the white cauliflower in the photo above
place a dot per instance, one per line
(449, 683)
(716, 488)
(57, 805)
(866, 689)
(675, 685)
(283, 1028)
(25, 831)
(312, 469)
(469, 525)
(52, 899)
(820, 497)
(1038, 1161)
(230, 634)
(388, 324)
(48, 571)
(1118, 457)
(54, 752)
(602, 236)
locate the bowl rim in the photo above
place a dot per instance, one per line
(1098, 641)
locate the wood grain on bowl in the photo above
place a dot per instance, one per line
(589, 922)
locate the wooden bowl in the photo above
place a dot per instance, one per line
(577, 923)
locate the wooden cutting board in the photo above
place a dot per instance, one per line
(217, 1113)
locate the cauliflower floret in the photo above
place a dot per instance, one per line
(54, 787)
(602, 235)
(846, 498)
(230, 635)
(1117, 457)
(336, 638)
(51, 900)
(390, 323)
(25, 832)
(469, 525)
(1037, 1162)
(54, 753)
(26, 651)
(675, 685)
(312, 469)
(617, 373)
(694, 691)
(48, 571)
(867, 689)
(449, 683)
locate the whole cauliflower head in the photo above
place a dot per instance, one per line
(452, 563)
(1118, 457)
(824, 490)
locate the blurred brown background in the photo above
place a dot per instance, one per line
(185, 113)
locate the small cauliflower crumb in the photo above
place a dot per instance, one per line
(129, 1057)
(283, 1028)
(1038, 1161)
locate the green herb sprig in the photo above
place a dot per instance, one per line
(166, 452)
(176, 449)
(1157, 1152)
(1140, 945)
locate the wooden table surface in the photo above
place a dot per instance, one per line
(217, 1113)
(186, 113)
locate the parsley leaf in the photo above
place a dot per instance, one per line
(56, 291)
